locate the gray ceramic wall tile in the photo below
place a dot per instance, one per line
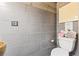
(34, 31)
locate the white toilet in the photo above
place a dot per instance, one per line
(65, 45)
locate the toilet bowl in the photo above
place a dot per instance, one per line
(65, 45)
(59, 52)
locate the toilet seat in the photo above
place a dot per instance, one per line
(59, 52)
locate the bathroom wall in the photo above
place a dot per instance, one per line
(60, 26)
(67, 5)
(32, 36)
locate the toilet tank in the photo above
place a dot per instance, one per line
(67, 43)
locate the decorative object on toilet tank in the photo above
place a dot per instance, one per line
(2, 47)
(14, 23)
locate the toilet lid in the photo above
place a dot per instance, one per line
(59, 52)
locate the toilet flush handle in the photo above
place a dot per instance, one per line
(52, 40)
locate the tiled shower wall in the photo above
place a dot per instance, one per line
(32, 36)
